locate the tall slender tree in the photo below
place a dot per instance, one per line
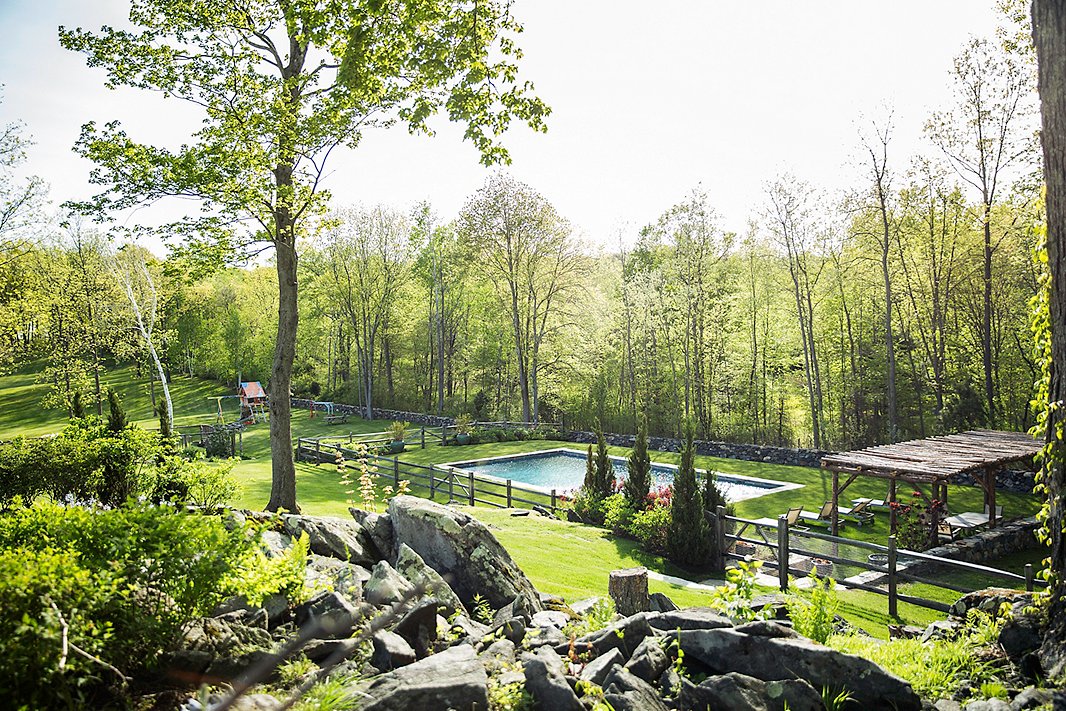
(638, 482)
(687, 537)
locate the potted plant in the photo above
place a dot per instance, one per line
(462, 429)
(398, 432)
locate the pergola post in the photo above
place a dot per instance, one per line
(990, 495)
(891, 508)
(836, 494)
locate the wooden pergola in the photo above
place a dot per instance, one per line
(934, 461)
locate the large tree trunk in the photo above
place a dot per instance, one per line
(283, 470)
(1049, 35)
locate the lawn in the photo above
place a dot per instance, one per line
(568, 559)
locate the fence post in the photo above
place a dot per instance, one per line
(509, 494)
(432, 469)
(1028, 577)
(553, 500)
(892, 610)
(318, 451)
(240, 441)
(719, 532)
(451, 485)
(471, 492)
(423, 438)
(396, 473)
(782, 552)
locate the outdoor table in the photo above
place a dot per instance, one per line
(967, 519)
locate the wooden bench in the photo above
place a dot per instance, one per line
(336, 419)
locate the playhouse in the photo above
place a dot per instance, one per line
(254, 402)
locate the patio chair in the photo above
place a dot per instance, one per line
(858, 513)
(822, 518)
(945, 532)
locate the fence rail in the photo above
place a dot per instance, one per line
(884, 578)
(434, 479)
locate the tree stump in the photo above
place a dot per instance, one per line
(629, 590)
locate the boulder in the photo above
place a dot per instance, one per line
(378, 527)
(691, 618)
(598, 669)
(738, 691)
(326, 573)
(540, 636)
(215, 647)
(386, 586)
(334, 537)
(460, 548)
(452, 679)
(498, 655)
(550, 618)
(649, 660)
(658, 602)
(624, 635)
(319, 650)
(391, 651)
(328, 615)
(777, 658)
(419, 626)
(546, 683)
(627, 692)
(411, 566)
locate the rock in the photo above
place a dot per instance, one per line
(466, 627)
(498, 655)
(538, 509)
(378, 527)
(582, 607)
(649, 660)
(670, 682)
(460, 548)
(514, 630)
(411, 566)
(598, 669)
(546, 683)
(1031, 698)
(738, 691)
(540, 636)
(247, 702)
(249, 618)
(318, 650)
(988, 705)
(550, 618)
(766, 628)
(275, 543)
(691, 618)
(942, 629)
(659, 602)
(624, 635)
(947, 705)
(325, 573)
(517, 607)
(1020, 635)
(573, 517)
(627, 692)
(419, 626)
(390, 651)
(386, 586)
(452, 679)
(775, 658)
(335, 537)
(218, 648)
(334, 615)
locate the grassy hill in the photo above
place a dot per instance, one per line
(563, 558)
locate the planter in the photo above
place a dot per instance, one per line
(462, 438)
(396, 446)
(822, 568)
(877, 559)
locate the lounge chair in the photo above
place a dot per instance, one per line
(822, 518)
(858, 513)
(871, 503)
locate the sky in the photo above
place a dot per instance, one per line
(649, 101)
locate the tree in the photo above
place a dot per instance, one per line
(604, 466)
(525, 248)
(116, 418)
(282, 84)
(688, 534)
(130, 269)
(1049, 37)
(20, 200)
(638, 482)
(984, 137)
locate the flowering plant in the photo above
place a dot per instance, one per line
(914, 522)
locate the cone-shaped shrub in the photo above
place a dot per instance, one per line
(638, 482)
(687, 538)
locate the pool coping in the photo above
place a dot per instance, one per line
(780, 486)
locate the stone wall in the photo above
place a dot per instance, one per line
(729, 450)
(416, 418)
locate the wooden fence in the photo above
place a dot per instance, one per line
(885, 578)
(433, 480)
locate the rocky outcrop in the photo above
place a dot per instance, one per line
(462, 550)
(452, 679)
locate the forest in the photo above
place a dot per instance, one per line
(898, 309)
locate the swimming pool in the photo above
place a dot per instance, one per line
(564, 470)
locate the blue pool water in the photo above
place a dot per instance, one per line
(564, 470)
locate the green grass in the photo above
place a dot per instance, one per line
(561, 558)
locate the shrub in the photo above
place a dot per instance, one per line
(258, 576)
(651, 527)
(196, 482)
(218, 444)
(604, 484)
(914, 522)
(688, 540)
(398, 430)
(116, 418)
(617, 513)
(588, 506)
(734, 598)
(814, 618)
(638, 481)
(152, 569)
